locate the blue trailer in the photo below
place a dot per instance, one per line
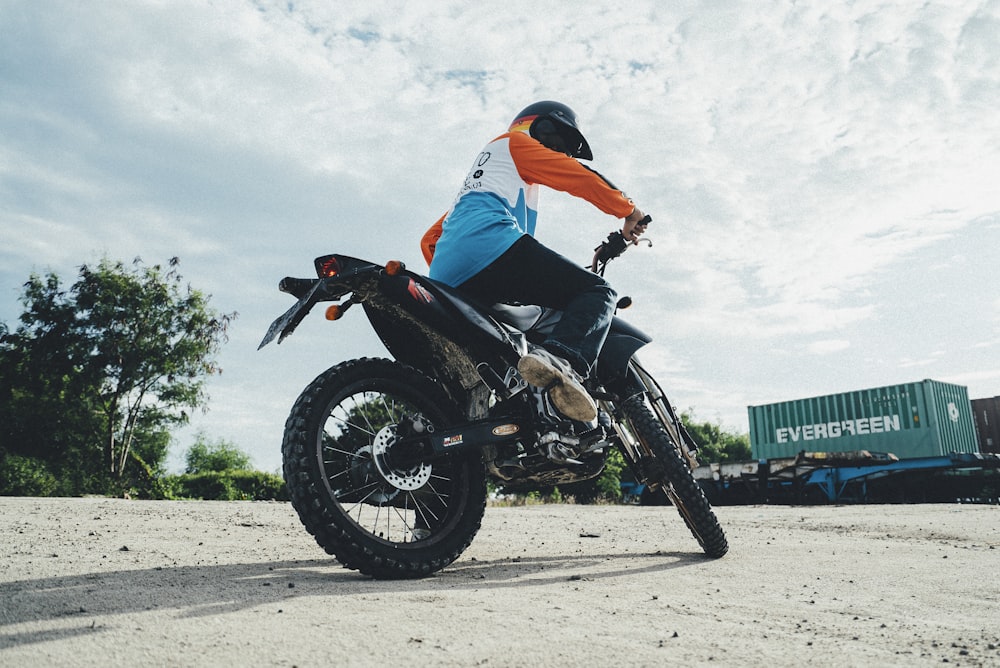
(854, 477)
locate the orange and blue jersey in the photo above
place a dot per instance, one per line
(498, 204)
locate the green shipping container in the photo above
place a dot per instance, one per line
(923, 419)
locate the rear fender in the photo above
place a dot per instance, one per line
(423, 326)
(449, 314)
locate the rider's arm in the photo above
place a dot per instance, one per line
(430, 239)
(537, 164)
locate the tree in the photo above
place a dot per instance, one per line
(107, 366)
(715, 445)
(47, 411)
(203, 457)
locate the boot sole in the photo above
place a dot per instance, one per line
(569, 397)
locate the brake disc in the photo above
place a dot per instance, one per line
(404, 479)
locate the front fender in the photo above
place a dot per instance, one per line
(622, 343)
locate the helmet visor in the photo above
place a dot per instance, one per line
(560, 137)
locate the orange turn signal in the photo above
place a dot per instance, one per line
(394, 267)
(334, 312)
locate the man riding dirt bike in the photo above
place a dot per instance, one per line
(485, 245)
(387, 460)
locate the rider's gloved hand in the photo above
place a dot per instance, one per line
(618, 242)
(635, 225)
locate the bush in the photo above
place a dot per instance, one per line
(204, 456)
(605, 488)
(26, 476)
(227, 486)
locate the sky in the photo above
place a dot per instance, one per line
(823, 177)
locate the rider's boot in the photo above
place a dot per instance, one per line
(549, 372)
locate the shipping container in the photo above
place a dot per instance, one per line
(921, 419)
(986, 413)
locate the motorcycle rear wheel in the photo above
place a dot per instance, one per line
(382, 521)
(677, 482)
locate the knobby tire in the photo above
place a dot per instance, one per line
(678, 482)
(353, 513)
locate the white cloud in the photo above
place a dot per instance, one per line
(907, 363)
(818, 173)
(828, 346)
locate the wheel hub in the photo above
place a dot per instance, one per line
(404, 479)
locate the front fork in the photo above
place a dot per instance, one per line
(668, 417)
(639, 454)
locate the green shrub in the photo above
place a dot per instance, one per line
(26, 476)
(204, 456)
(227, 486)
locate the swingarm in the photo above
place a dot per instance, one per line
(419, 442)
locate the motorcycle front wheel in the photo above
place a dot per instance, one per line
(374, 517)
(663, 464)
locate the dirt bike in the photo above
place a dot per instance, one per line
(387, 461)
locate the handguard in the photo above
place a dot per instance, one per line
(615, 245)
(608, 250)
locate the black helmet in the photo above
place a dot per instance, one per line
(554, 125)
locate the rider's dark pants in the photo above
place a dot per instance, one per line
(530, 273)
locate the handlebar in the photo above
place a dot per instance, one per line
(615, 245)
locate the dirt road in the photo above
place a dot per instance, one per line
(99, 582)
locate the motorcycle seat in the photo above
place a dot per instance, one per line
(526, 317)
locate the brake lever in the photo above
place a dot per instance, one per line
(608, 250)
(614, 246)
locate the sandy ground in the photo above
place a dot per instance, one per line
(102, 582)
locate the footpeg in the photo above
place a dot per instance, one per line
(559, 448)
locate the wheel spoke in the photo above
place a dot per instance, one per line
(407, 529)
(346, 453)
(333, 477)
(352, 425)
(339, 494)
(361, 410)
(422, 509)
(440, 496)
(389, 410)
